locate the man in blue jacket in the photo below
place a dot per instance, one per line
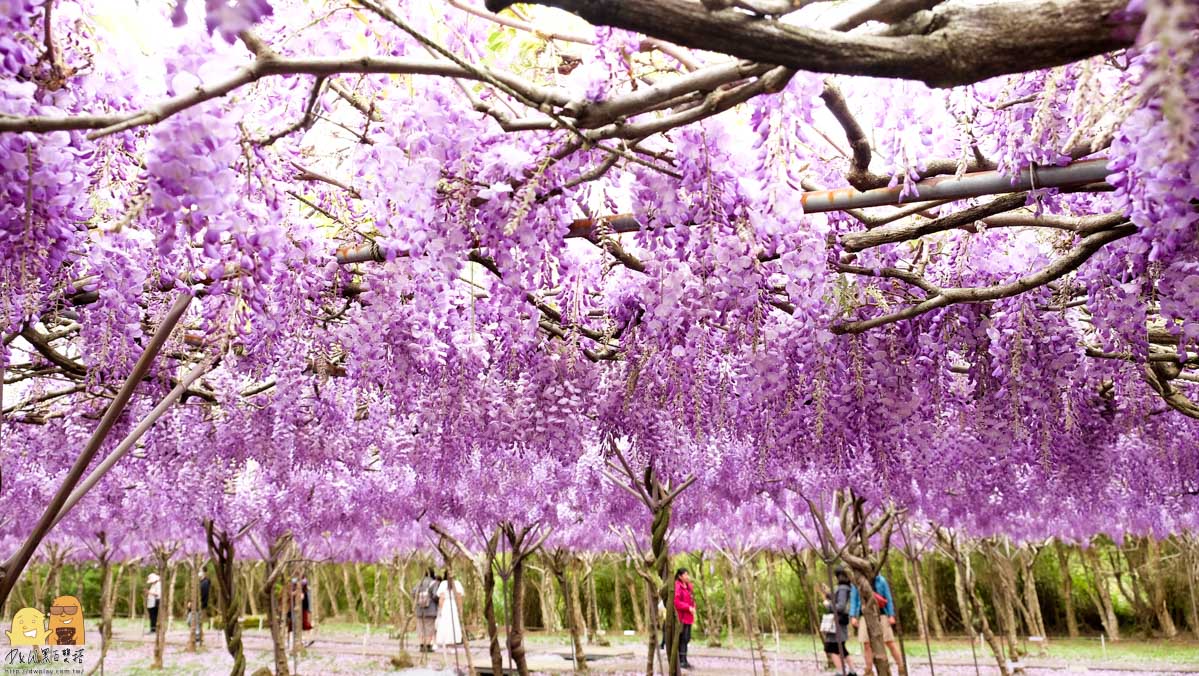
(881, 589)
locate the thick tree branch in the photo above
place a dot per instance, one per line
(962, 42)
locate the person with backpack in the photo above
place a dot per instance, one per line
(425, 599)
(886, 608)
(835, 621)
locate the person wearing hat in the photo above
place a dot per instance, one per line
(153, 594)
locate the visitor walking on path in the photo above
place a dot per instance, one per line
(835, 622)
(684, 605)
(425, 599)
(449, 621)
(153, 594)
(886, 608)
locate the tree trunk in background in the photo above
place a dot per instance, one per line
(173, 567)
(586, 588)
(1157, 591)
(778, 609)
(550, 621)
(314, 595)
(362, 603)
(331, 592)
(516, 638)
(56, 556)
(107, 597)
(730, 597)
(1190, 569)
(401, 598)
(1003, 586)
(934, 601)
(559, 563)
(133, 595)
(193, 593)
(1063, 564)
(917, 587)
(220, 548)
(978, 611)
(375, 598)
(1032, 601)
(964, 604)
(163, 556)
(617, 603)
(593, 622)
(577, 621)
(1103, 593)
(277, 556)
(493, 630)
(251, 588)
(637, 603)
(801, 564)
(706, 603)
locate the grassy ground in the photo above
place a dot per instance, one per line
(1178, 651)
(348, 648)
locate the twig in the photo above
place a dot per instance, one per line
(304, 122)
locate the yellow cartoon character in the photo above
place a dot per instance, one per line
(66, 621)
(28, 628)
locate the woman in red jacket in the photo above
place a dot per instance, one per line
(684, 606)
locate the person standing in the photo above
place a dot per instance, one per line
(684, 606)
(153, 594)
(425, 599)
(193, 621)
(836, 604)
(449, 620)
(205, 589)
(886, 608)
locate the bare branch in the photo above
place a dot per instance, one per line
(951, 296)
(900, 232)
(886, 11)
(304, 122)
(266, 67)
(859, 173)
(518, 24)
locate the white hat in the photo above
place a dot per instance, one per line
(153, 578)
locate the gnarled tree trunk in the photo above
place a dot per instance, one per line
(1063, 564)
(1103, 594)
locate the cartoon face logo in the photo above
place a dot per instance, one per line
(28, 628)
(66, 621)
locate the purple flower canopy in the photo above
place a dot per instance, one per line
(444, 265)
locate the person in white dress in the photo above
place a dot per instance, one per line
(449, 622)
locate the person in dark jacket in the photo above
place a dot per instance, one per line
(836, 605)
(205, 590)
(684, 606)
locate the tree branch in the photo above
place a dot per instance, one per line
(962, 43)
(952, 296)
(901, 232)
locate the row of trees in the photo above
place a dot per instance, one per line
(1119, 590)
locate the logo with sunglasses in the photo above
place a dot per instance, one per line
(66, 622)
(63, 625)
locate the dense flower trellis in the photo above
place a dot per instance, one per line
(432, 251)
